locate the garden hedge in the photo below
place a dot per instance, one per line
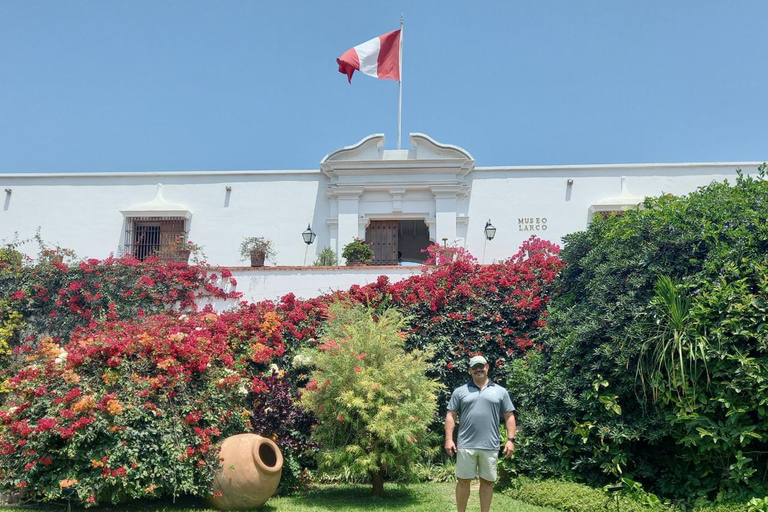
(587, 412)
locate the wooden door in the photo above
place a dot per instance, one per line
(382, 235)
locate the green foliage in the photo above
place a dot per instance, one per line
(11, 321)
(576, 497)
(673, 347)
(372, 399)
(617, 319)
(326, 258)
(758, 505)
(357, 250)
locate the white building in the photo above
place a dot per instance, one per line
(400, 199)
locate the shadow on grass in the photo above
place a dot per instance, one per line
(354, 497)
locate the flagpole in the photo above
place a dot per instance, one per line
(400, 95)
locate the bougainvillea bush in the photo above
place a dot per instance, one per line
(456, 308)
(95, 379)
(132, 409)
(50, 298)
(459, 308)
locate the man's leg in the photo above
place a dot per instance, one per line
(466, 470)
(462, 494)
(486, 495)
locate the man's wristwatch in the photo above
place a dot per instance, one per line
(511, 439)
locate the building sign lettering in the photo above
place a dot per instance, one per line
(532, 223)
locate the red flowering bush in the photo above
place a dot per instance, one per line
(103, 408)
(132, 409)
(460, 308)
(50, 298)
(55, 298)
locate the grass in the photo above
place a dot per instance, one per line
(429, 497)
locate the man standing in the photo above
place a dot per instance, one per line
(480, 404)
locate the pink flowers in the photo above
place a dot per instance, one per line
(21, 428)
(193, 417)
(45, 424)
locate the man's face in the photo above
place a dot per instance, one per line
(479, 371)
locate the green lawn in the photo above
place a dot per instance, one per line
(429, 497)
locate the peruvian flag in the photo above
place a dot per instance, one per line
(379, 57)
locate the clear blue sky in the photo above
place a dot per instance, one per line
(139, 85)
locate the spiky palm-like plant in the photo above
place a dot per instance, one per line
(670, 357)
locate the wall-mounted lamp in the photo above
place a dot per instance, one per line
(490, 231)
(308, 235)
(570, 181)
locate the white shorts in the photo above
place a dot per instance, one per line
(471, 463)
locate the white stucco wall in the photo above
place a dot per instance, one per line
(507, 194)
(434, 183)
(304, 282)
(82, 211)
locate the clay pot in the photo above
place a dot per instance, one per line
(251, 467)
(257, 258)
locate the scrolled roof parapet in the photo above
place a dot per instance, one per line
(426, 144)
(366, 149)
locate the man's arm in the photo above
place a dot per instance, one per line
(511, 425)
(450, 425)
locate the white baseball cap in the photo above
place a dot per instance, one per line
(477, 360)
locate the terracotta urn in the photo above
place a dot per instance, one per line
(251, 467)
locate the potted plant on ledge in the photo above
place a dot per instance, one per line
(357, 252)
(257, 249)
(180, 249)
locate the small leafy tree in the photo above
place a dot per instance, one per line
(373, 400)
(327, 258)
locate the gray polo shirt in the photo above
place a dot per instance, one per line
(480, 414)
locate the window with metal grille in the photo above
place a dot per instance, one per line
(153, 236)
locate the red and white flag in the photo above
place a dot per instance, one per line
(379, 57)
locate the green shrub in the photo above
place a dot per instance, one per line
(373, 401)
(583, 404)
(326, 258)
(577, 497)
(358, 250)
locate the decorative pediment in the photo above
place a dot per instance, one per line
(624, 201)
(367, 164)
(157, 207)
